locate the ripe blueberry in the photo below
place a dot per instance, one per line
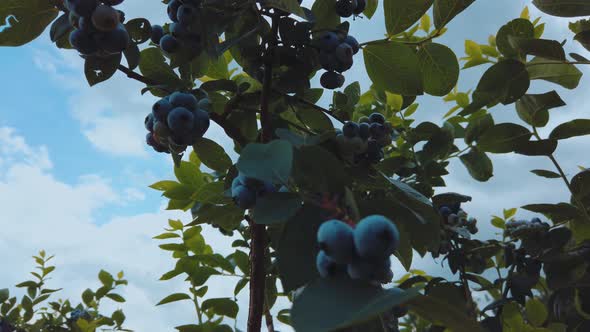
(82, 7)
(105, 18)
(328, 60)
(149, 122)
(201, 123)
(181, 120)
(115, 41)
(173, 10)
(344, 53)
(360, 6)
(353, 43)
(377, 130)
(186, 100)
(336, 238)
(376, 237)
(83, 42)
(205, 105)
(244, 197)
(377, 118)
(326, 266)
(345, 8)
(157, 33)
(331, 80)
(328, 41)
(161, 109)
(444, 211)
(169, 44)
(186, 15)
(364, 130)
(112, 2)
(350, 129)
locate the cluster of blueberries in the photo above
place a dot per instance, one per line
(453, 216)
(362, 252)
(336, 50)
(346, 8)
(79, 313)
(183, 15)
(99, 28)
(518, 228)
(245, 191)
(364, 140)
(176, 121)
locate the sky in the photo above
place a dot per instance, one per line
(74, 168)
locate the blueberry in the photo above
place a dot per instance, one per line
(149, 122)
(344, 65)
(326, 266)
(121, 16)
(186, 15)
(328, 41)
(157, 33)
(244, 197)
(336, 238)
(105, 18)
(345, 8)
(205, 105)
(201, 123)
(178, 31)
(377, 130)
(265, 188)
(377, 118)
(328, 60)
(181, 120)
(364, 130)
(350, 129)
(344, 53)
(112, 2)
(364, 119)
(161, 130)
(331, 80)
(161, 109)
(86, 24)
(360, 7)
(453, 219)
(82, 7)
(173, 10)
(374, 151)
(83, 42)
(239, 180)
(74, 20)
(186, 100)
(376, 237)
(379, 271)
(150, 140)
(444, 211)
(169, 44)
(353, 43)
(115, 41)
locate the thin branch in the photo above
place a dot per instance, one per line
(558, 63)
(420, 42)
(138, 77)
(268, 318)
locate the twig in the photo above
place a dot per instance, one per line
(138, 77)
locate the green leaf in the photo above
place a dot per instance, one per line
(174, 297)
(212, 155)
(440, 312)
(188, 173)
(180, 192)
(578, 127)
(498, 222)
(27, 19)
(106, 278)
(548, 49)
(402, 14)
(580, 184)
(446, 10)
(297, 248)
(536, 312)
(394, 67)
(317, 169)
(139, 30)
(115, 297)
(164, 236)
(274, 208)
(371, 8)
(326, 17)
(571, 8)
(153, 66)
(566, 75)
(212, 193)
(503, 138)
(557, 212)
(509, 213)
(546, 173)
(221, 306)
(60, 28)
(278, 161)
(520, 28)
(99, 69)
(324, 306)
(543, 147)
(477, 126)
(440, 68)
(4, 294)
(534, 108)
(478, 164)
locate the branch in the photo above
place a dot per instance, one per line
(269, 323)
(138, 77)
(308, 103)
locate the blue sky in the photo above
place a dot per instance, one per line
(74, 169)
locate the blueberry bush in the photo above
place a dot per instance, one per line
(321, 198)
